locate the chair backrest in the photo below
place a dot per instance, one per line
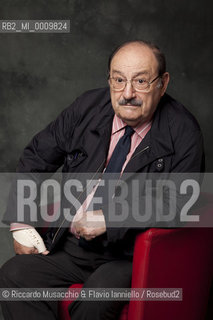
(174, 258)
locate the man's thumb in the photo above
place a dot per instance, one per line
(45, 252)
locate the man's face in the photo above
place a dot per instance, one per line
(136, 61)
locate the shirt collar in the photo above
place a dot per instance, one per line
(140, 129)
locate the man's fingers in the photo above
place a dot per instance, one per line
(88, 234)
(45, 252)
(88, 237)
(34, 251)
(20, 249)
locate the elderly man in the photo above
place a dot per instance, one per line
(133, 127)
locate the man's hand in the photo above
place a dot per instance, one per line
(89, 224)
(20, 249)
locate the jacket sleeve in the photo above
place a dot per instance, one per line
(47, 149)
(189, 153)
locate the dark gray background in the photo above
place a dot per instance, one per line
(41, 74)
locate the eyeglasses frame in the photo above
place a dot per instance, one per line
(131, 80)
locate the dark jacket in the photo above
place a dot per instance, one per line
(79, 141)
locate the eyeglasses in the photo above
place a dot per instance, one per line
(139, 84)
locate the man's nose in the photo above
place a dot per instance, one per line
(129, 91)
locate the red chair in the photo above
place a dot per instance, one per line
(169, 258)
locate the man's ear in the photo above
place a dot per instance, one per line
(165, 81)
(108, 77)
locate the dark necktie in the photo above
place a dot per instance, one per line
(115, 164)
(120, 152)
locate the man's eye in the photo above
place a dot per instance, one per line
(140, 81)
(120, 80)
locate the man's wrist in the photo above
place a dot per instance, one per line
(19, 226)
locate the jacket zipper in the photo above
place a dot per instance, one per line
(146, 148)
(55, 235)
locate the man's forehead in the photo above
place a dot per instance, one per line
(134, 68)
(134, 58)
